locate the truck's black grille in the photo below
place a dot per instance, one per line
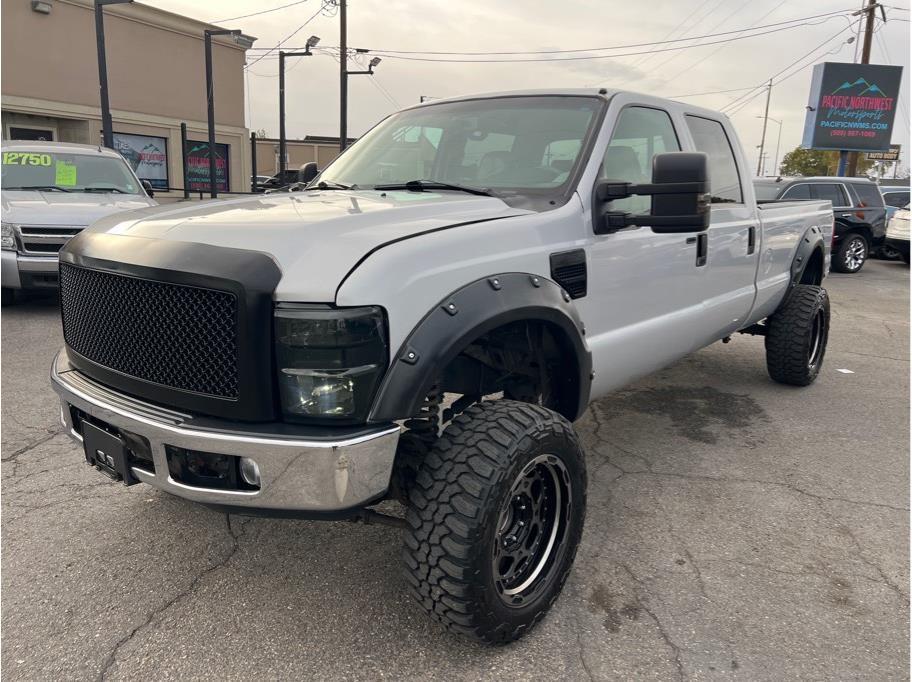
(177, 336)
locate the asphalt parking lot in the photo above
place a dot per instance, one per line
(736, 529)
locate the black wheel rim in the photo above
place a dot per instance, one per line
(817, 345)
(531, 530)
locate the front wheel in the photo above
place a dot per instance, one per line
(851, 254)
(796, 336)
(495, 518)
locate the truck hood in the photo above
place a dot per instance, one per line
(75, 209)
(315, 237)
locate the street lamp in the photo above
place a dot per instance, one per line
(107, 132)
(311, 42)
(369, 71)
(210, 99)
(778, 140)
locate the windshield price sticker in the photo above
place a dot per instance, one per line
(66, 174)
(26, 159)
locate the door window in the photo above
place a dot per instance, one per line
(897, 199)
(639, 134)
(869, 194)
(797, 193)
(832, 192)
(710, 137)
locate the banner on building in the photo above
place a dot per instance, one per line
(852, 106)
(147, 155)
(890, 155)
(198, 166)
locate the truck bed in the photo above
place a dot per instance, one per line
(784, 224)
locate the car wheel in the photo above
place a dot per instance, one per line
(495, 518)
(796, 336)
(8, 296)
(851, 254)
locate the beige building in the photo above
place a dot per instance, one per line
(156, 80)
(298, 152)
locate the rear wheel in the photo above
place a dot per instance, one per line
(796, 336)
(851, 254)
(495, 517)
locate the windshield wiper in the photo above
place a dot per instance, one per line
(57, 188)
(329, 184)
(104, 189)
(427, 185)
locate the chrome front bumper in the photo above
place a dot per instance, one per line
(17, 270)
(297, 474)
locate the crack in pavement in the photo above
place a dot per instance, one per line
(582, 657)
(649, 471)
(111, 658)
(676, 650)
(798, 574)
(14, 457)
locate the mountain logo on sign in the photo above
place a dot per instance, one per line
(871, 88)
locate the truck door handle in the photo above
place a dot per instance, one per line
(751, 239)
(702, 243)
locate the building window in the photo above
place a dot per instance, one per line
(147, 156)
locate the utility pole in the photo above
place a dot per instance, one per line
(107, 127)
(769, 91)
(210, 103)
(343, 76)
(852, 157)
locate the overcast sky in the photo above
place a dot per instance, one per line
(312, 84)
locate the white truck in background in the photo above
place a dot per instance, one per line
(526, 252)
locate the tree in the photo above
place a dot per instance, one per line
(806, 162)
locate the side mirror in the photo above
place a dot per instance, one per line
(308, 172)
(680, 182)
(146, 185)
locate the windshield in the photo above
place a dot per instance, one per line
(509, 145)
(67, 172)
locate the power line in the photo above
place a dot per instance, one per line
(681, 30)
(580, 58)
(739, 102)
(394, 53)
(712, 92)
(255, 14)
(721, 47)
(714, 27)
(287, 38)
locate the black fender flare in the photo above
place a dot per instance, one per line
(462, 317)
(811, 240)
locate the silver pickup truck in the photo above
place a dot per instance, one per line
(425, 321)
(52, 191)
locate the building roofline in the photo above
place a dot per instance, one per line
(162, 19)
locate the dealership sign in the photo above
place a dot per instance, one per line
(147, 155)
(891, 155)
(852, 106)
(198, 166)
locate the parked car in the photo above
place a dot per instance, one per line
(51, 192)
(898, 233)
(525, 253)
(259, 180)
(857, 205)
(895, 198)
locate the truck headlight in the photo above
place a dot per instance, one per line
(329, 361)
(8, 240)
